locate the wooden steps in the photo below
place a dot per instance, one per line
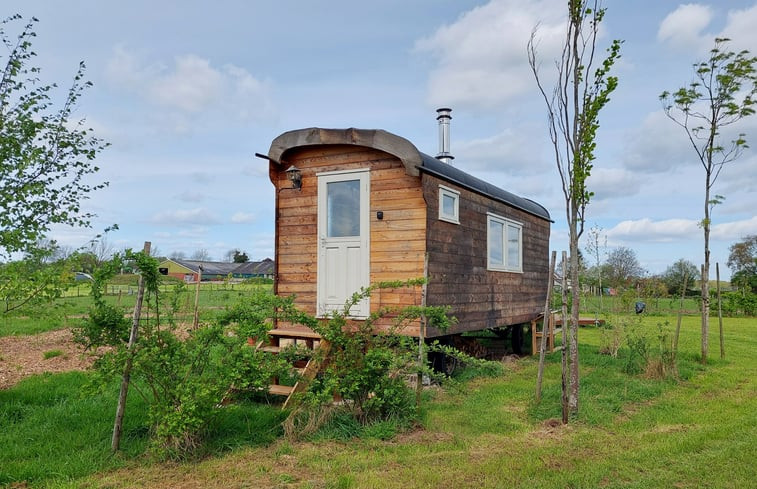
(554, 327)
(549, 328)
(281, 338)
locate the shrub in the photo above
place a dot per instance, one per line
(184, 377)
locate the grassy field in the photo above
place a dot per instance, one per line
(632, 432)
(67, 311)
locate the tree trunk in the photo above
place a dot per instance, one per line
(573, 381)
(706, 269)
(545, 326)
(720, 312)
(564, 352)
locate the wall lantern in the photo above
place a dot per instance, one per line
(295, 176)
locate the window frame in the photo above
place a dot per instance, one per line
(506, 223)
(455, 194)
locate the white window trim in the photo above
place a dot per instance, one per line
(455, 218)
(505, 222)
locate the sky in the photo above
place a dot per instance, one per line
(186, 92)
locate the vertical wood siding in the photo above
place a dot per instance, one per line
(397, 242)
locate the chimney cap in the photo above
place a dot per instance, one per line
(444, 118)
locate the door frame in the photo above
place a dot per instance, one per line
(363, 175)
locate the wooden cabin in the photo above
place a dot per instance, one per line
(355, 207)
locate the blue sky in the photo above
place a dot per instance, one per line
(187, 91)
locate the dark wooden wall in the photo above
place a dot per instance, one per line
(457, 273)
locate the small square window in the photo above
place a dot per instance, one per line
(504, 244)
(449, 205)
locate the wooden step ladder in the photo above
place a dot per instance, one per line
(549, 328)
(281, 338)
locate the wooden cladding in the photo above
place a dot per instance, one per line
(458, 275)
(407, 231)
(397, 241)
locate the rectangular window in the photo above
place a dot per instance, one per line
(504, 244)
(449, 205)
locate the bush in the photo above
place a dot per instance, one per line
(185, 381)
(738, 304)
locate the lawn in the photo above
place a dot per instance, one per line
(68, 310)
(632, 432)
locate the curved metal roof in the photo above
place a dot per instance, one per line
(453, 174)
(369, 138)
(413, 160)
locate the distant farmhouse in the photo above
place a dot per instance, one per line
(189, 270)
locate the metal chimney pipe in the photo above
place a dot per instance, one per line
(444, 117)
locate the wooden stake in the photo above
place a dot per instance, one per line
(196, 320)
(545, 326)
(125, 379)
(720, 312)
(678, 323)
(564, 312)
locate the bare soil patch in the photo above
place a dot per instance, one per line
(24, 356)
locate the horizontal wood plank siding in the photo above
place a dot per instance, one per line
(458, 276)
(397, 242)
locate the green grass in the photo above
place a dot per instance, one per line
(53, 432)
(50, 430)
(67, 311)
(631, 431)
(19, 326)
(51, 354)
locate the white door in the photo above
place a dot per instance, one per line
(343, 231)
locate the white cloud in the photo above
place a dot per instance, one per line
(612, 183)
(670, 230)
(510, 152)
(683, 27)
(185, 216)
(732, 231)
(189, 89)
(740, 28)
(242, 218)
(482, 56)
(191, 86)
(659, 145)
(646, 230)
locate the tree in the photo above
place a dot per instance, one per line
(723, 92)
(45, 156)
(742, 261)
(102, 250)
(34, 279)
(622, 267)
(236, 256)
(595, 249)
(229, 256)
(178, 255)
(240, 257)
(679, 273)
(573, 107)
(201, 255)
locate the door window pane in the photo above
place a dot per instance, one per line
(343, 209)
